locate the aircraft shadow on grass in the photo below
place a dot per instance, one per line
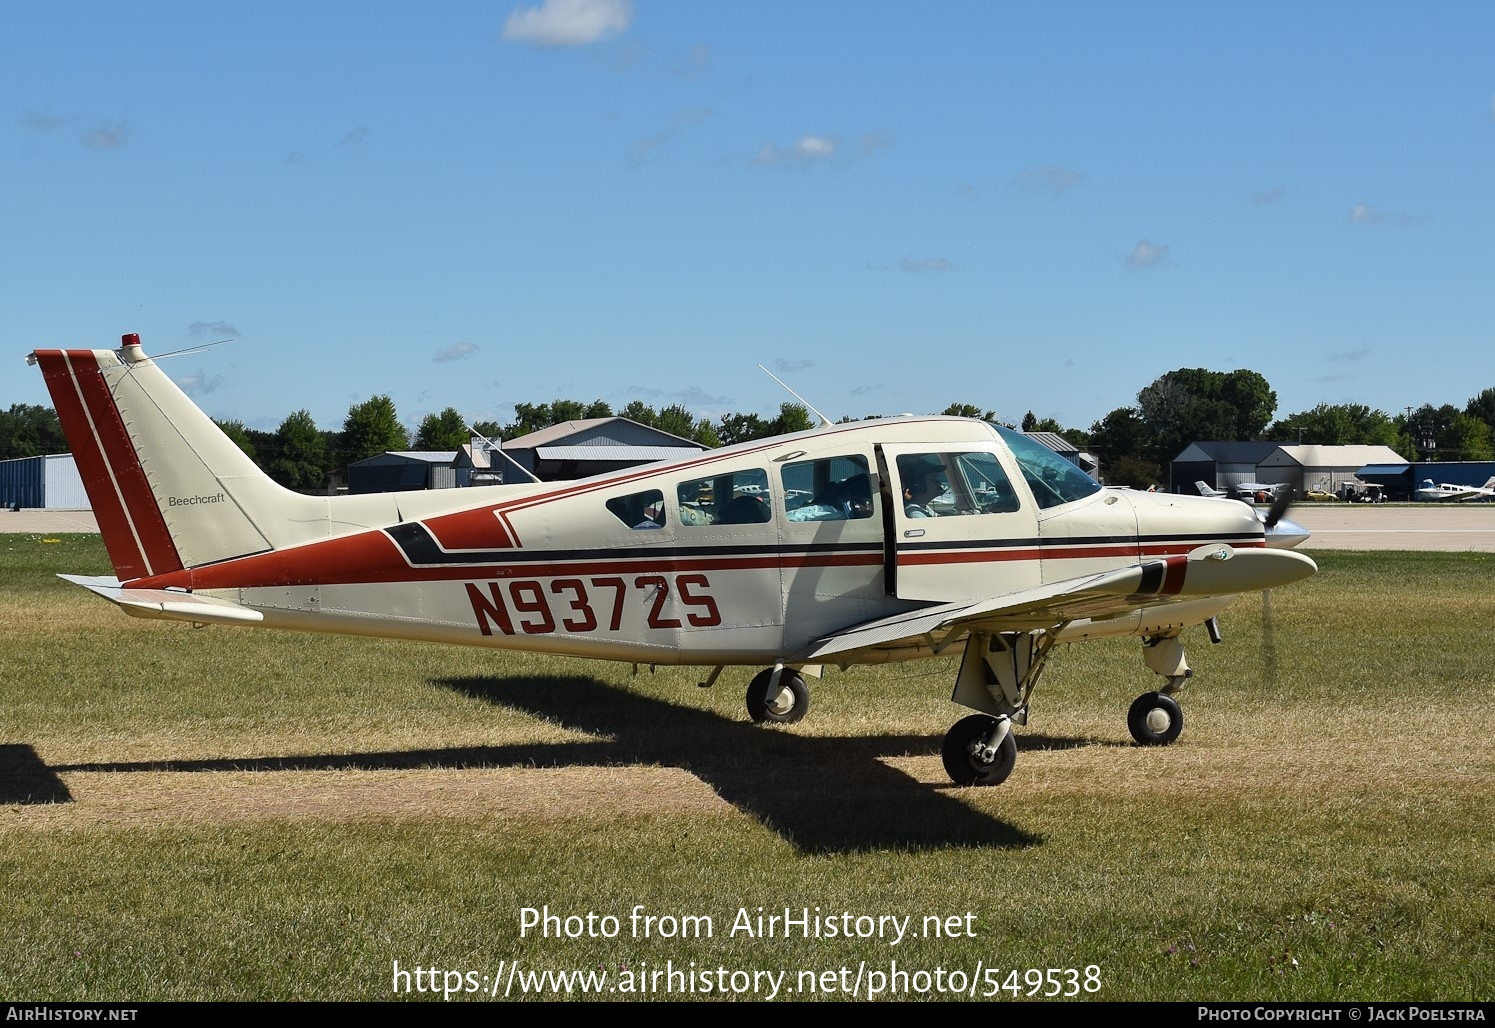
(821, 794)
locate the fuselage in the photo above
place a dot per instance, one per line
(738, 555)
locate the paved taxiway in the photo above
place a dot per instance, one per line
(1335, 526)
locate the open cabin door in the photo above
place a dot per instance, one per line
(957, 527)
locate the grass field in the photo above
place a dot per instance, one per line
(230, 814)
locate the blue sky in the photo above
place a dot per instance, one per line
(893, 206)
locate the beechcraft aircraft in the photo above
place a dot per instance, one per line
(1447, 492)
(864, 543)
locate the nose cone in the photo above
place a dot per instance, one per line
(1286, 534)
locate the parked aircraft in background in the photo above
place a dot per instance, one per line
(1208, 490)
(861, 543)
(1257, 492)
(1445, 492)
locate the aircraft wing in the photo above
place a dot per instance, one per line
(167, 604)
(1212, 570)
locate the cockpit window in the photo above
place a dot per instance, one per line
(1053, 479)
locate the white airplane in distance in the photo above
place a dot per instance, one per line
(1206, 489)
(1445, 492)
(785, 553)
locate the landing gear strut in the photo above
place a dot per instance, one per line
(980, 750)
(1155, 718)
(778, 695)
(996, 677)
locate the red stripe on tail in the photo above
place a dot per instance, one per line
(135, 534)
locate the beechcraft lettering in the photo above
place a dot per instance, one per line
(870, 542)
(192, 501)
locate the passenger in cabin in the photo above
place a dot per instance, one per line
(848, 499)
(922, 482)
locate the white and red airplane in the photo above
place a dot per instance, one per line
(864, 543)
(1447, 492)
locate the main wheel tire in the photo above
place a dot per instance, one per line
(963, 766)
(789, 702)
(1155, 719)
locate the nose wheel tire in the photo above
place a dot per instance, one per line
(784, 705)
(963, 752)
(1155, 719)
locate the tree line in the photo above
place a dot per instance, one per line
(1135, 444)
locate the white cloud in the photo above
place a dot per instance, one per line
(805, 152)
(1146, 254)
(925, 264)
(1265, 197)
(784, 365)
(558, 23)
(105, 136)
(641, 148)
(43, 122)
(455, 352)
(211, 329)
(1367, 214)
(1053, 180)
(199, 383)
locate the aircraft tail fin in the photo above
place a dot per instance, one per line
(169, 489)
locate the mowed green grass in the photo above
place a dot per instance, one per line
(231, 814)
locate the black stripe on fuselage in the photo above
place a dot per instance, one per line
(422, 550)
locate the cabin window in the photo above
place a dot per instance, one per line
(945, 484)
(642, 511)
(830, 489)
(732, 498)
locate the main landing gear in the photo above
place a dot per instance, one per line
(778, 695)
(997, 676)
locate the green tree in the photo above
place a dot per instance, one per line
(29, 430)
(236, 431)
(301, 460)
(641, 412)
(1132, 471)
(969, 410)
(1338, 424)
(531, 417)
(676, 420)
(793, 417)
(1120, 433)
(1466, 438)
(1482, 406)
(372, 428)
(444, 431)
(1193, 404)
(741, 428)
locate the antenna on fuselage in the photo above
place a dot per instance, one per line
(824, 421)
(497, 448)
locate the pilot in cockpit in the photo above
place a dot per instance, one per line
(922, 482)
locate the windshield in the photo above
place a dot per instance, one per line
(1053, 479)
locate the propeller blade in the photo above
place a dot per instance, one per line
(1279, 507)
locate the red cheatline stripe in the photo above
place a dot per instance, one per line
(372, 557)
(1173, 578)
(134, 534)
(119, 452)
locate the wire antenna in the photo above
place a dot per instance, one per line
(824, 421)
(496, 448)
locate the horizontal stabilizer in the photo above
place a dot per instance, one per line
(167, 604)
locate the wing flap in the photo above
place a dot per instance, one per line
(167, 604)
(1208, 571)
